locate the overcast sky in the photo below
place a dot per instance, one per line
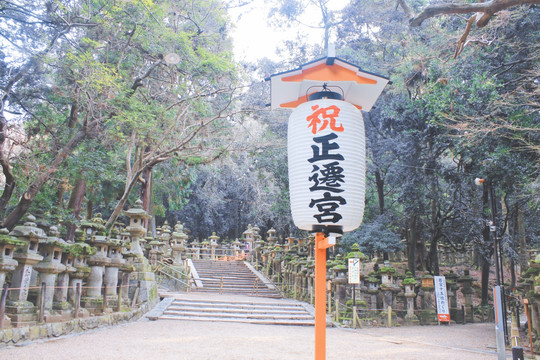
(254, 38)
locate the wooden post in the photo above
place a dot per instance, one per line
(336, 315)
(78, 293)
(104, 298)
(354, 316)
(136, 295)
(3, 305)
(120, 293)
(389, 309)
(42, 302)
(526, 303)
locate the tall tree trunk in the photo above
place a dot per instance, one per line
(30, 194)
(146, 194)
(487, 248)
(75, 205)
(379, 182)
(9, 185)
(412, 238)
(523, 255)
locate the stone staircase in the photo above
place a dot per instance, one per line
(231, 277)
(214, 307)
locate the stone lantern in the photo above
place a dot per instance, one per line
(80, 251)
(372, 283)
(388, 285)
(467, 290)
(143, 273)
(428, 315)
(137, 217)
(110, 279)
(50, 266)
(156, 251)
(7, 248)
(452, 287)
(7, 263)
(213, 245)
(248, 238)
(178, 243)
(165, 237)
(21, 311)
(97, 263)
(408, 284)
(271, 236)
(60, 298)
(236, 247)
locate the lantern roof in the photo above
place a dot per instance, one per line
(358, 87)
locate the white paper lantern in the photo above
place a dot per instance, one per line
(327, 166)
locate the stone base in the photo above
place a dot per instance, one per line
(428, 317)
(21, 313)
(6, 324)
(83, 313)
(62, 306)
(412, 320)
(456, 315)
(92, 304)
(57, 316)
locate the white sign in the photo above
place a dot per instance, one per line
(354, 271)
(442, 298)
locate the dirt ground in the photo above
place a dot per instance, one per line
(175, 339)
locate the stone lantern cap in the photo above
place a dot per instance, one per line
(54, 240)
(409, 279)
(179, 232)
(29, 230)
(214, 238)
(95, 226)
(7, 240)
(137, 211)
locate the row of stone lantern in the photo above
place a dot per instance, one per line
(291, 265)
(30, 260)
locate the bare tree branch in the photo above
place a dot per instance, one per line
(488, 8)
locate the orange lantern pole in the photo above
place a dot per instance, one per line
(321, 244)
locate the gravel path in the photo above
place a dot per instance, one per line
(169, 339)
(179, 340)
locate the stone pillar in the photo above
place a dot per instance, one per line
(178, 244)
(428, 315)
(112, 269)
(60, 298)
(143, 273)
(97, 263)
(408, 286)
(51, 265)
(467, 290)
(451, 289)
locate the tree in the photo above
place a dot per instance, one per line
(103, 74)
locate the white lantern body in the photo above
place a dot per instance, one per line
(327, 166)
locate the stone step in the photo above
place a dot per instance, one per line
(231, 277)
(230, 309)
(250, 321)
(238, 305)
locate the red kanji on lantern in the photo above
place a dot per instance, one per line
(321, 118)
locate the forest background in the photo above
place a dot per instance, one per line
(105, 102)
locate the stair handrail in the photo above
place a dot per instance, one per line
(162, 265)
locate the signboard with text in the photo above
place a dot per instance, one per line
(354, 271)
(443, 312)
